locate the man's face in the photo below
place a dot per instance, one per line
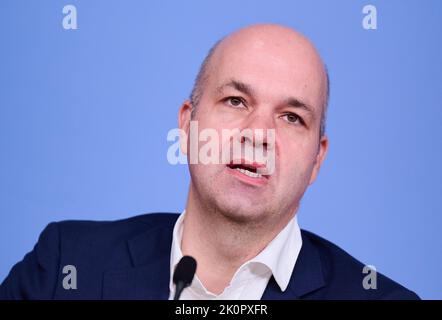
(262, 86)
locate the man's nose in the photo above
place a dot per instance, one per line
(257, 130)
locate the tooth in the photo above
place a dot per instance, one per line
(249, 173)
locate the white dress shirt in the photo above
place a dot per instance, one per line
(249, 282)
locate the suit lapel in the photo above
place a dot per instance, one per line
(148, 278)
(307, 275)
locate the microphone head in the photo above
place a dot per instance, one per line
(185, 271)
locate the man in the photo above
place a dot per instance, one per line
(240, 220)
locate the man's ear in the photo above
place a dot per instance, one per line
(184, 116)
(322, 152)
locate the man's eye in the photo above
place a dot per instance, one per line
(235, 101)
(292, 118)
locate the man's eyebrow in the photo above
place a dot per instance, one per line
(237, 85)
(296, 103)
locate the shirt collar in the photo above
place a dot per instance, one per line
(176, 253)
(279, 255)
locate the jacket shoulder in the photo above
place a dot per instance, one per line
(88, 245)
(116, 228)
(96, 241)
(348, 278)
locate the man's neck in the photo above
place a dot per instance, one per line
(221, 245)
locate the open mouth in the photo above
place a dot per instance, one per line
(248, 170)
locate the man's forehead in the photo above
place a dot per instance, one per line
(266, 81)
(283, 67)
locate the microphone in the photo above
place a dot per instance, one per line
(183, 275)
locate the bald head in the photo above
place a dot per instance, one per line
(272, 45)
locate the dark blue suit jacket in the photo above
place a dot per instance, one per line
(129, 259)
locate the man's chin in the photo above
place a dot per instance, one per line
(243, 213)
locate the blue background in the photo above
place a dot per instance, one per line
(84, 116)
